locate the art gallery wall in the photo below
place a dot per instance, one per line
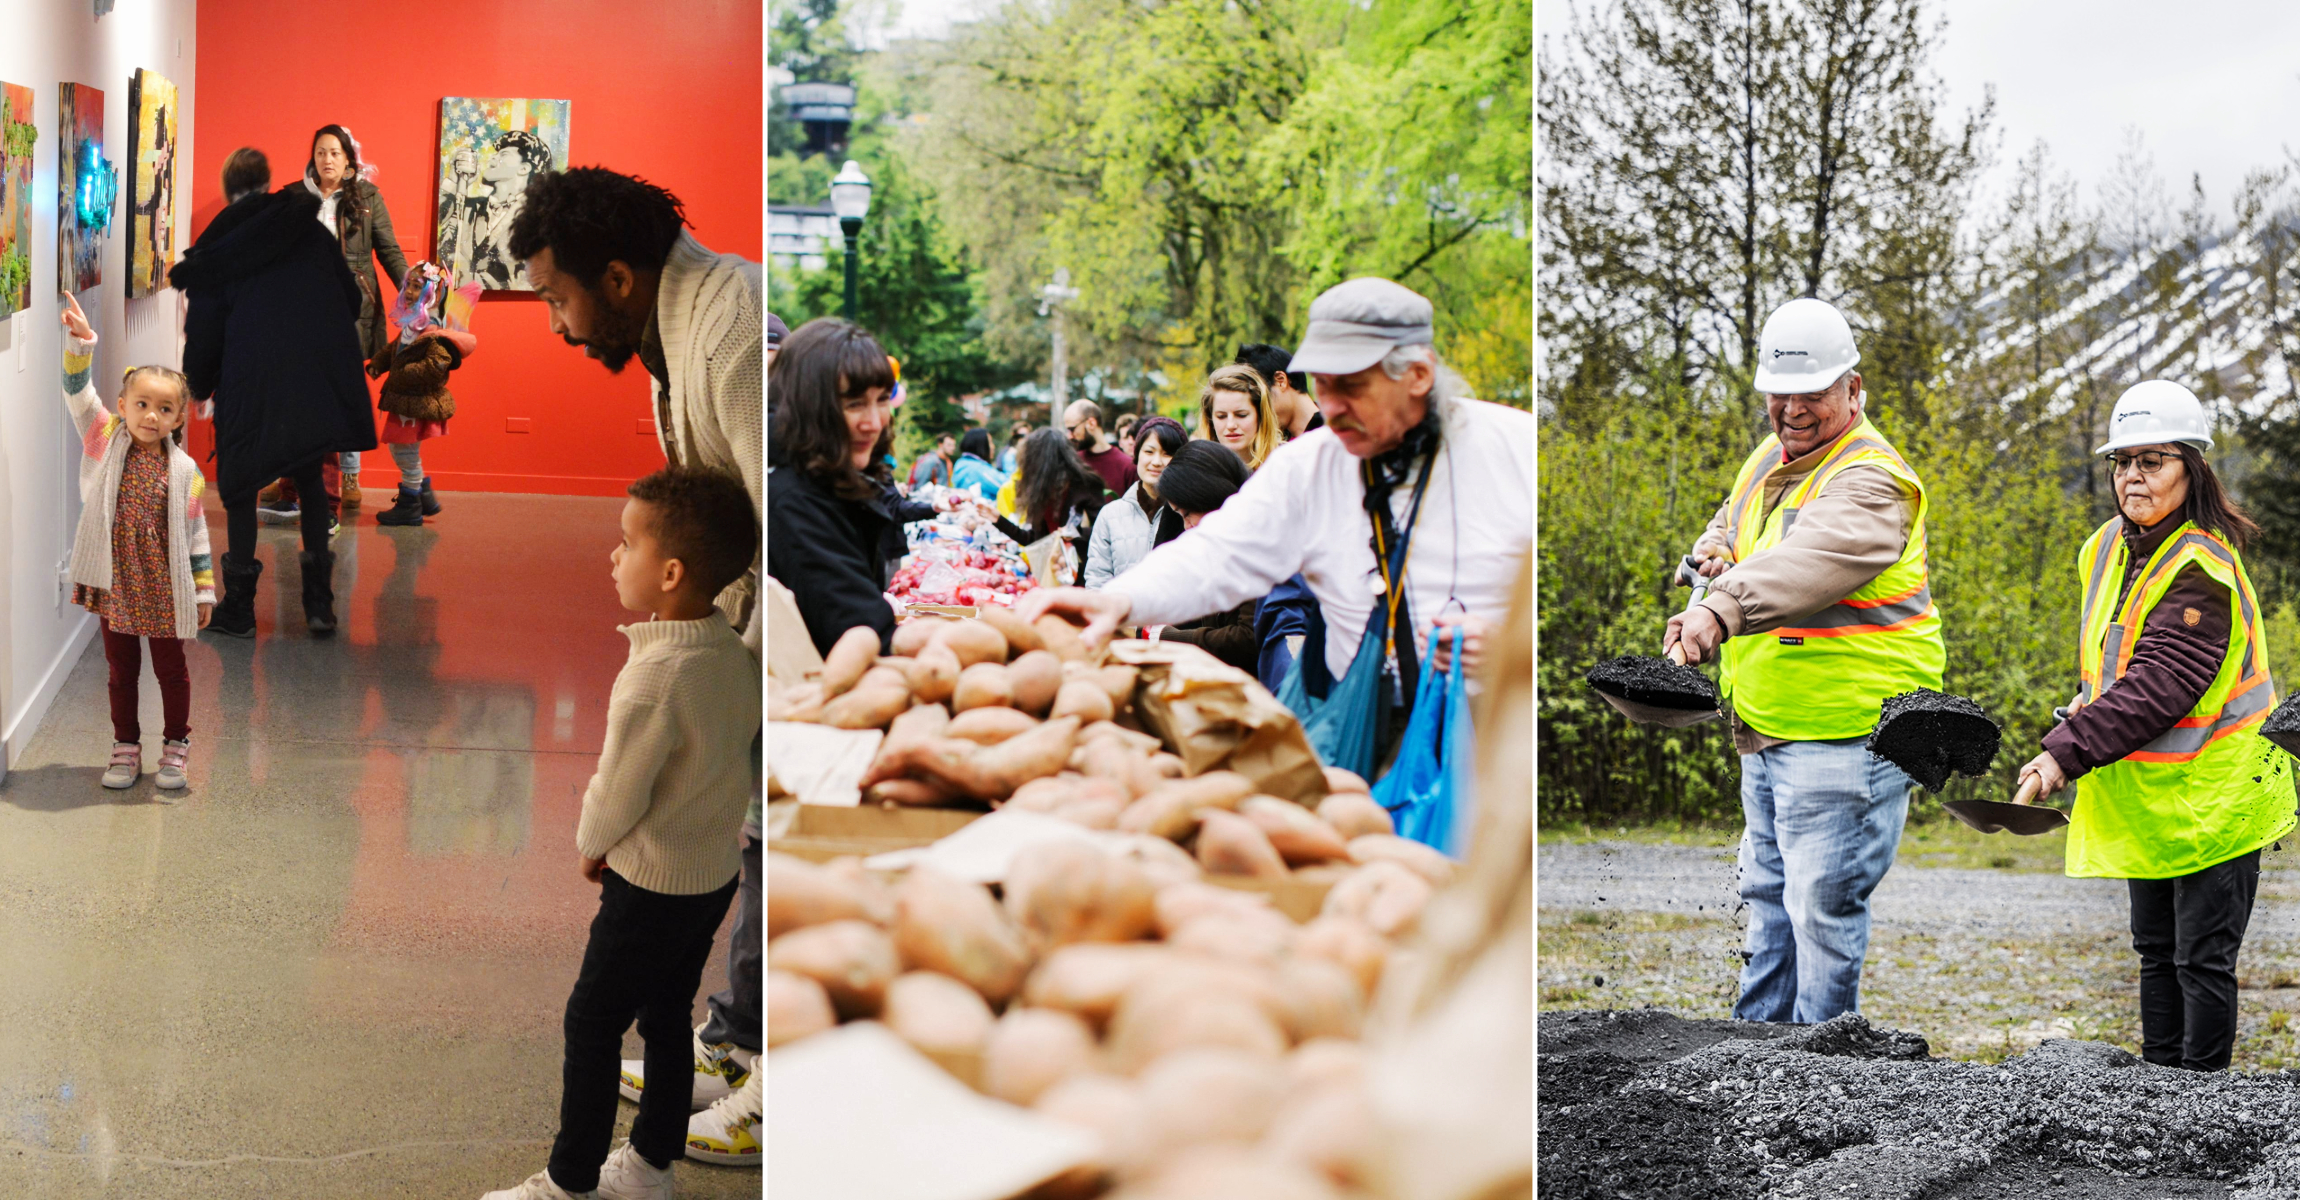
(45, 44)
(669, 90)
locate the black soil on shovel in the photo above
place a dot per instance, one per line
(2283, 726)
(1641, 679)
(1931, 734)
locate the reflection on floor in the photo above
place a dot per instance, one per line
(335, 967)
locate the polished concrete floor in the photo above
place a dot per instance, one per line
(336, 965)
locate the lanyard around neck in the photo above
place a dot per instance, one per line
(1392, 560)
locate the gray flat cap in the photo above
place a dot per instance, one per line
(775, 330)
(1355, 323)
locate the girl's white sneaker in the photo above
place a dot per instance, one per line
(171, 774)
(127, 766)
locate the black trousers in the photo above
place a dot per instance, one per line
(2187, 931)
(645, 961)
(240, 516)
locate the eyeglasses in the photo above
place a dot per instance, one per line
(2149, 462)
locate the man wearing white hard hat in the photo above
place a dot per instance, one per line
(2176, 791)
(1412, 507)
(1820, 606)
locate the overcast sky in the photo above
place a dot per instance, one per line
(2212, 85)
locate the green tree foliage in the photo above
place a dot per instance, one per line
(1203, 167)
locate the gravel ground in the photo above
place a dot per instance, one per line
(1649, 1105)
(1984, 962)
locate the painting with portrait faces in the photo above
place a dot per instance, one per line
(488, 150)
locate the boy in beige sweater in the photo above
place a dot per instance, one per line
(658, 832)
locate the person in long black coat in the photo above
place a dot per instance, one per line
(270, 333)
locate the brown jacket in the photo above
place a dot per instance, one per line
(2173, 664)
(1849, 533)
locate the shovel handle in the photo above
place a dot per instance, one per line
(2028, 790)
(1677, 653)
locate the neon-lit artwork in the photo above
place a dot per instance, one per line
(82, 189)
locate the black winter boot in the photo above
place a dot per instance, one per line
(235, 614)
(430, 499)
(406, 510)
(319, 592)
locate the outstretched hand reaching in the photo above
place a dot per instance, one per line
(75, 321)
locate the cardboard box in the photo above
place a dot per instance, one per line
(821, 832)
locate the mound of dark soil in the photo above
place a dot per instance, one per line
(1649, 1104)
(1641, 679)
(2283, 726)
(1930, 734)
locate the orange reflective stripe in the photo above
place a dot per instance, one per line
(1854, 630)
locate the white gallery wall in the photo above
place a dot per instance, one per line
(44, 43)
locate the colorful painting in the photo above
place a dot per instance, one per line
(488, 150)
(17, 137)
(83, 189)
(151, 183)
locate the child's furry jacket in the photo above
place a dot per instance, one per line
(104, 445)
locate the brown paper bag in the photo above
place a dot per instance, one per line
(1219, 718)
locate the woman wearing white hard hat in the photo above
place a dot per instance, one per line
(2176, 791)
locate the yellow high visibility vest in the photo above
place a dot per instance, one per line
(1826, 675)
(2210, 788)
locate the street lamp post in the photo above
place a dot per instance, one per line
(850, 199)
(1051, 298)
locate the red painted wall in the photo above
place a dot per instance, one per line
(670, 90)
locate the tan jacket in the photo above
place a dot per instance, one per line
(1849, 533)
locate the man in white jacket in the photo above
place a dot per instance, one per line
(1398, 425)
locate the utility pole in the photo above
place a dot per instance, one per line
(1051, 298)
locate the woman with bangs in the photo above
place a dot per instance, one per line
(1234, 409)
(828, 486)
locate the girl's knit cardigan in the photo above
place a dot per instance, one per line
(104, 446)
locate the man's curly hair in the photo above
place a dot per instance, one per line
(591, 216)
(705, 520)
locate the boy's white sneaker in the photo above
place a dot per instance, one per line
(172, 759)
(539, 1187)
(720, 1069)
(627, 1176)
(127, 766)
(727, 1133)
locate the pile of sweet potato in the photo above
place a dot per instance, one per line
(1002, 712)
(1208, 1039)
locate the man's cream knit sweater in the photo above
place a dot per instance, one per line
(666, 807)
(708, 313)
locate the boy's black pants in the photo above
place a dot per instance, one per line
(645, 961)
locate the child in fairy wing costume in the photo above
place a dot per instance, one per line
(433, 314)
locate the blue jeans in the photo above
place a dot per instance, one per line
(1823, 821)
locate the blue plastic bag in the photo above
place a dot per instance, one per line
(1427, 789)
(1341, 727)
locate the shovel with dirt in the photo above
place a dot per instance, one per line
(1659, 691)
(1933, 735)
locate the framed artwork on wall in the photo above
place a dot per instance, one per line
(83, 188)
(152, 137)
(488, 150)
(18, 135)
